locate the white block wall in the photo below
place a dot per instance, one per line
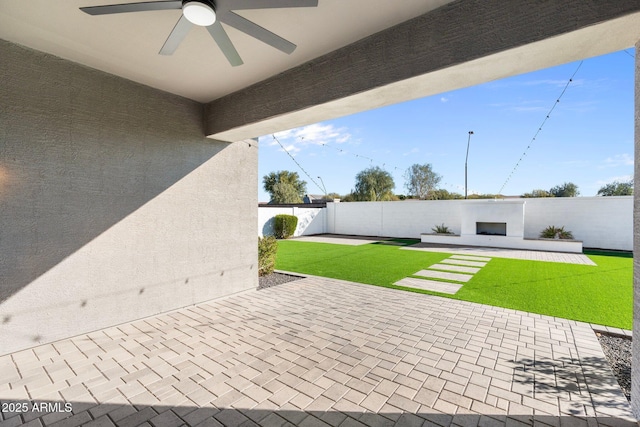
(600, 222)
(396, 219)
(310, 220)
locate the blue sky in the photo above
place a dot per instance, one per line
(587, 140)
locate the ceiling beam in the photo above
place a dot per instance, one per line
(434, 52)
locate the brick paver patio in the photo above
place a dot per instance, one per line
(319, 352)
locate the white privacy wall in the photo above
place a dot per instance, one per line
(599, 222)
(310, 220)
(397, 219)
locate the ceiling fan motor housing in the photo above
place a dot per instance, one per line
(209, 3)
(199, 12)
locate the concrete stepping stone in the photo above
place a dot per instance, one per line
(471, 258)
(463, 262)
(456, 268)
(429, 285)
(458, 277)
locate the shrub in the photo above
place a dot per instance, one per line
(441, 229)
(285, 226)
(267, 249)
(553, 232)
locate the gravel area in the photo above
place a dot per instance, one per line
(617, 349)
(275, 279)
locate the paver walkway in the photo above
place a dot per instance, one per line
(429, 285)
(568, 258)
(337, 239)
(458, 268)
(319, 352)
(458, 277)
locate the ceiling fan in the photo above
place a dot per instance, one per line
(210, 14)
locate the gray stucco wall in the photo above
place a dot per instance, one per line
(114, 205)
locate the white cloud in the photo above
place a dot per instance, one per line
(294, 140)
(412, 151)
(292, 148)
(617, 160)
(443, 99)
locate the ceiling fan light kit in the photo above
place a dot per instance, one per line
(211, 14)
(199, 12)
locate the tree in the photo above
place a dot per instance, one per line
(421, 181)
(537, 193)
(568, 189)
(348, 198)
(284, 187)
(284, 192)
(374, 184)
(617, 188)
(442, 194)
(485, 196)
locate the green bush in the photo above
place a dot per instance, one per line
(267, 250)
(285, 226)
(441, 229)
(553, 232)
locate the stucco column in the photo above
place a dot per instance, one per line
(635, 364)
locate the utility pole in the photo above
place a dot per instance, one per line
(323, 187)
(465, 164)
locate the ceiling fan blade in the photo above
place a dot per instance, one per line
(224, 42)
(254, 30)
(269, 4)
(178, 34)
(132, 7)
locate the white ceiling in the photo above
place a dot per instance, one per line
(127, 44)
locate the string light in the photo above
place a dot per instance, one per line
(346, 152)
(555, 104)
(296, 162)
(371, 161)
(374, 161)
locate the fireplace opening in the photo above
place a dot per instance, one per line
(491, 228)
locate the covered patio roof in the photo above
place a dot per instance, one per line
(341, 65)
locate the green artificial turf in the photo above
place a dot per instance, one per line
(601, 294)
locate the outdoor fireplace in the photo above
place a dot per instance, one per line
(491, 228)
(483, 220)
(495, 223)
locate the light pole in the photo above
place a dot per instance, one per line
(465, 164)
(323, 187)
